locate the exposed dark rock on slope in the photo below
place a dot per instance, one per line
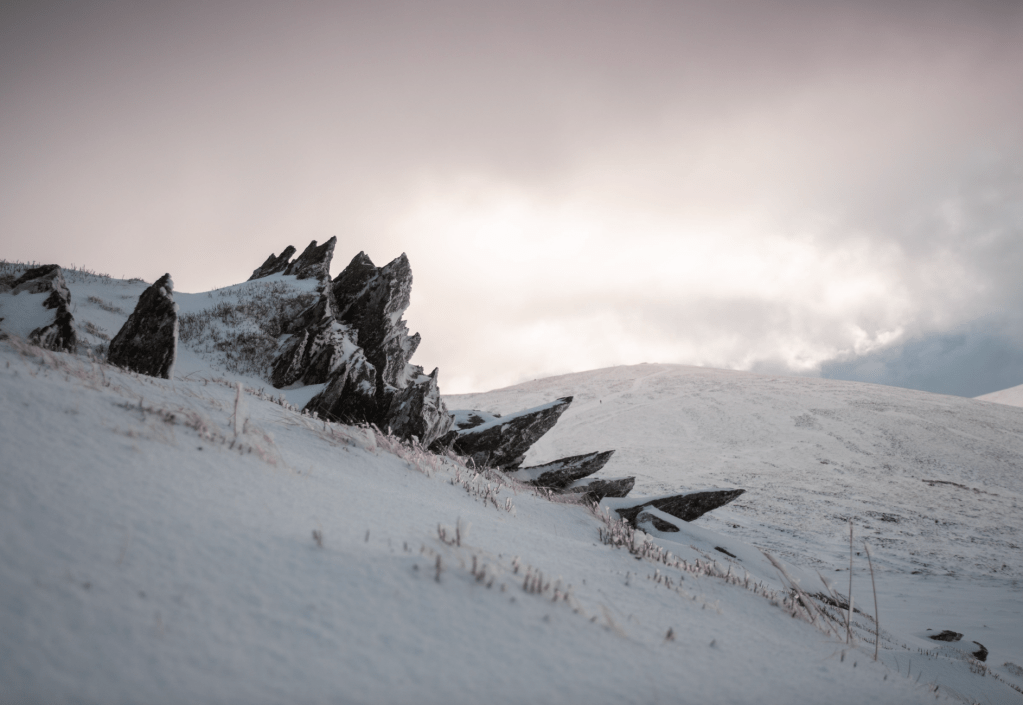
(596, 490)
(314, 262)
(57, 333)
(561, 473)
(686, 507)
(147, 343)
(501, 442)
(274, 265)
(354, 341)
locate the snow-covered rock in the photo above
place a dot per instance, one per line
(687, 507)
(314, 262)
(594, 490)
(559, 474)
(502, 442)
(274, 264)
(38, 308)
(354, 341)
(148, 341)
(419, 411)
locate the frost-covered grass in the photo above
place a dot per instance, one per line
(238, 330)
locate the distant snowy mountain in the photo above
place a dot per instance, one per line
(1013, 396)
(193, 540)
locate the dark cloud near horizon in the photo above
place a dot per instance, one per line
(741, 184)
(975, 359)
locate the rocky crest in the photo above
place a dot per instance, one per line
(147, 343)
(354, 341)
(57, 334)
(274, 264)
(314, 262)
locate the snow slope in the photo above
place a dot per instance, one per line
(162, 543)
(813, 454)
(1013, 396)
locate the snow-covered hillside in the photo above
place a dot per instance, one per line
(176, 541)
(1013, 396)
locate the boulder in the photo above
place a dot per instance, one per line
(561, 473)
(32, 317)
(981, 653)
(947, 635)
(503, 442)
(274, 265)
(686, 507)
(147, 343)
(314, 262)
(596, 490)
(418, 411)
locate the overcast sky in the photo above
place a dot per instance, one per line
(812, 187)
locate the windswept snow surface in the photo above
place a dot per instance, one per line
(1013, 396)
(157, 545)
(812, 455)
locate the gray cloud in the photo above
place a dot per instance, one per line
(762, 185)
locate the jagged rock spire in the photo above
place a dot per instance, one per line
(314, 262)
(274, 265)
(148, 341)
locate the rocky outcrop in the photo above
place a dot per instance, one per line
(947, 635)
(596, 490)
(493, 441)
(53, 331)
(563, 472)
(981, 653)
(418, 411)
(686, 507)
(147, 343)
(314, 262)
(372, 300)
(312, 355)
(274, 265)
(350, 394)
(354, 341)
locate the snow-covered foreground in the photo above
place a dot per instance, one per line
(161, 544)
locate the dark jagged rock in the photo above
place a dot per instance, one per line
(312, 355)
(418, 411)
(947, 635)
(274, 265)
(503, 442)
(353, 278)
(353, 340)
(596, 490)
(659, 523)
(57, 334)
(686, 507)
(981, 653)
(350, 394)
(147, 342)
(314, 262)
(561, 473)
(371, 301)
